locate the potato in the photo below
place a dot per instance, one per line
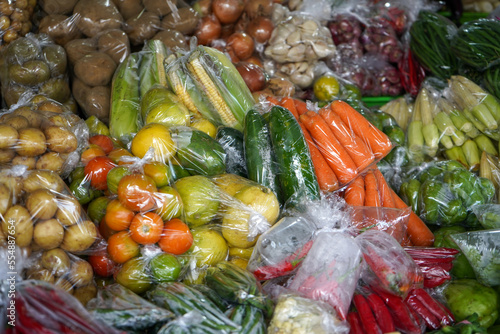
(17, 122)
(142, 27)
(48, 234)
(61, 28)
(41, 204)
(79, 237)
(57, 120)
(129, 8)
(7, 155)
(51, 106)
(19, 221)
(56, 89)
(185, 23)
(3, 237)
(13, 93)
(78, 48)
(14, 183)
(161, 7)
(115, 44)
(22, 49)
(95, 69)
(172, 39)
(80, 92)
(30, 73)
(50, 161)
(70, 105)
(85, 293)
(56, 261)
(8, 136)
(43, 179)
(58, 6)
(34, 119)
(55, 57)
(64, 284)
(97, 102)
(97, 16)
(81, 273)
(69, 211)
(60, 140)
(32, 142)
(29, 162)
(42, 275)
(5, 199)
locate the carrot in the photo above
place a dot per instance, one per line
(301, 107)
(272, 100)
(372, 194)
(354, 145)
(376, 140)
(288, 102)
(384, 189)
(419, 233)
(355, 192)
(326, 177)
(406, 241)
(335, 155)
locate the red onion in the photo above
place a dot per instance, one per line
(260, 29)
(241, 44)
(209, 29)
(253, 75)
(228, 11)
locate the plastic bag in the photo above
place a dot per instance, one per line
(34, 64)
(482, 249)
(293, 313)
(488, 215)
(16, 20)
(388, 220)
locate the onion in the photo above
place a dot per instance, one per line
(260, 29)
(203, 7)
(242, 23)
(241, 44)
(257, 8)
(208, 30)
(253, 76)
(227, 30)
(228, 11)
(255, 60)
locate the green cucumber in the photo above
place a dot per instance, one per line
(249, 318)
(231, 141)
(296, 171)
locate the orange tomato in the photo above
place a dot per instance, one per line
(117, 153)
(104, 142)
(105, 231)
(176, 237)
(92, 152)
(122, 248)
(118, 217)
(97, 171)
(137, 192)
(146, 228)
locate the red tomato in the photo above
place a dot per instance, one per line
(97, 171)
(102, 265)
(176, 237)
(103, 142)
(137, 192)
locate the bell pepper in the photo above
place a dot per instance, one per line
(430, 196)
(454, 212)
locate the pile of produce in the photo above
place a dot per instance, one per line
(212, 167)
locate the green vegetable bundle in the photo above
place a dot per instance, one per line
(491, 80)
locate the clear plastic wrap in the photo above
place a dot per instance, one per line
(488, 215)
(34, 64)
(388, 267)
(482, 249)
(16, 20)
(389, 220)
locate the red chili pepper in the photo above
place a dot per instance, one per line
(435, 281)
(432, 305)
(381, 312)
(25, 323)
(426, 252)
(365, 315)
(402, 316)
(355, 323)
(431, 321)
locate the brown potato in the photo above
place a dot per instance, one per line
(58, 6)
(8, 136)
(3, 237)
(34, 119)
(97, 16)
(57, 120)
(185, 23)
(55, 57)
(79, 237)
(56, 89)
(12, 93)
(129, 8)
(42, 275)
(56, 261)
(17, 122)
(97, 102)
(172, 39)
(30, 73)
(29, 162)
(51, 161)
(95, 69)
(5, 199)
(142, 27)
(14, 183)
(161, 7)
(78, 48)
(70, 105)
(60, 140)
(81, 273)
(115, 44)
(19, 221)
(64, 284)
(51, 106)
(80, 92)
(31, 142)
(85, 293)
(61, 28)
(7, 155)
(43, 179)
(48, 234)
(41, 204)
(69, 211)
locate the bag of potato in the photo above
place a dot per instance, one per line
(42, 135)
(15, 20)
(63, 269)
(39, 212)
(34, 64)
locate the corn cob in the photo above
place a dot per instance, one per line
(481, 95)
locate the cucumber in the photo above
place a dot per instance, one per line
(124, 118)
(259, 154)
(231, 141)
(249, 318)
(296, 171)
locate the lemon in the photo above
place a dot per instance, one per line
(170, 203)
(244, 253)
(231, 183)
(156, 136)
(204, 125)
(326, 88)
(242, 263)
(170, 114)
(209, 247)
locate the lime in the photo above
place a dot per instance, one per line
(165, 267)
(171, 203)
(114, 177)
(97, 209)
(133, 276)
(326, 88)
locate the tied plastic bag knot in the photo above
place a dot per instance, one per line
(257, 224)
(17, 170)
(192, 318)
(150, 251)
(136, 164)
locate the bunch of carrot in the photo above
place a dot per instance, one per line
(343, 145)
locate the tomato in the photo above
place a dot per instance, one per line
(118, 217)
(176, 237)
(102, 265)
(97, 171)
(122, 248)
(104, 142)
(137, 192)
(134, 276)
(146, 228)
(117, 153)
(97, 208)
(91, 152)
(105, 231)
